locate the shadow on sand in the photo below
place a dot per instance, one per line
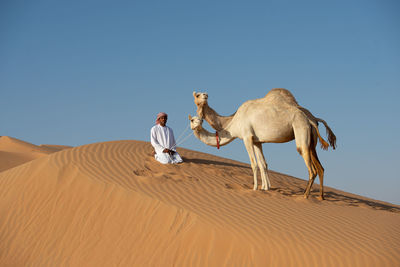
(357, 202)
(330, 196)
(213, 162)
(340, 199)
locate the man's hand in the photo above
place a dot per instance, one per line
(169, 151)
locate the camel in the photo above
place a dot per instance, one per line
(275, 118)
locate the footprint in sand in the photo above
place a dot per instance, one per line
(156, 177)
(191, 178)
(169, 176)
(140, 172)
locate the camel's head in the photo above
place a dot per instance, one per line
(200, 99)
(195, 123)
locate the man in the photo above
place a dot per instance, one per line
(163, 140)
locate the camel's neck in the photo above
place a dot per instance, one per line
(216, 121)
(210, 138)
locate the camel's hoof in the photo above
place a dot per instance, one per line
(255, 188)
(305, 196)
(321, 198)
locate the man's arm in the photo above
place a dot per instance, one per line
(154, 141)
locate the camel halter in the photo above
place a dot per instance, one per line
(217, 137)
(181, 140)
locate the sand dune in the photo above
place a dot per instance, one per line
(112, 204)
(14, 152)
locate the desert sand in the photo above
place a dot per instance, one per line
(112, 204)
(14, 152)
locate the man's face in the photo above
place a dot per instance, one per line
(163, 120)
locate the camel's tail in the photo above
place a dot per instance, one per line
(329, 133)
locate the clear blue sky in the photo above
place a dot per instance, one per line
(79, 72)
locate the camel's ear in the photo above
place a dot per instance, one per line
(194, 93)
(190, 117)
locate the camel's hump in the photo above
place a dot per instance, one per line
(281, 94)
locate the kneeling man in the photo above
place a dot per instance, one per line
(163, 141)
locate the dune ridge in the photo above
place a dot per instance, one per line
(14, 152)
(111, 203)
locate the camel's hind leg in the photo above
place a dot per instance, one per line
(303, 137)
(249, 144)
(311, 171)
(320, 171)
(262, 165)
(316, 168)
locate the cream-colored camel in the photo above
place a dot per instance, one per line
(276, 118)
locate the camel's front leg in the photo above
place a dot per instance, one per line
(248, 142)
(262, 165)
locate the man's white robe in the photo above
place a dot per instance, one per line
(161, 138)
